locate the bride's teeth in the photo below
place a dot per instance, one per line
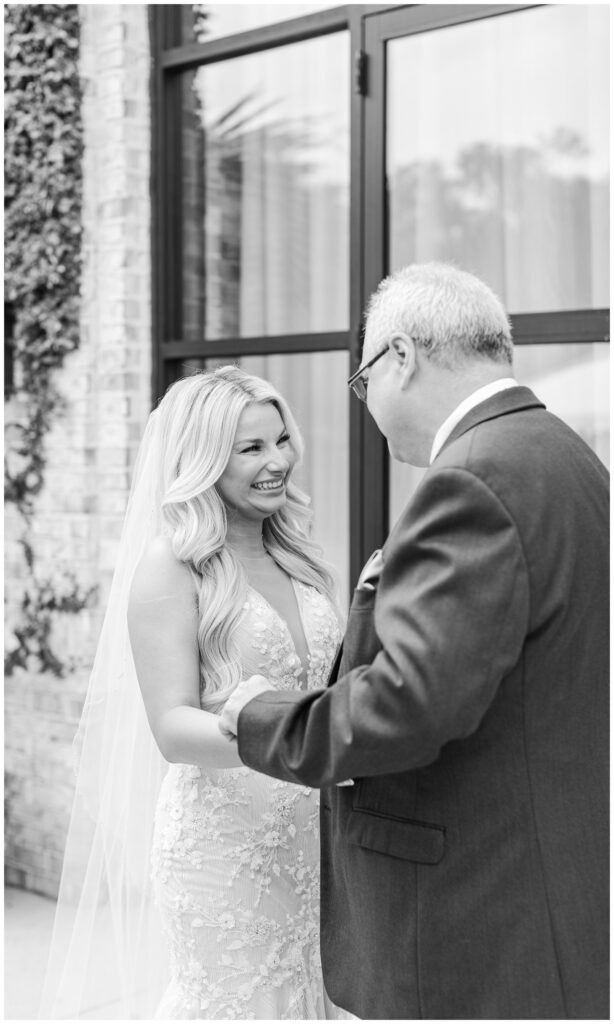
(268, 486)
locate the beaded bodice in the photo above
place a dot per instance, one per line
(266, 646)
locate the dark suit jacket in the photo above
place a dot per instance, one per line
(465, 873)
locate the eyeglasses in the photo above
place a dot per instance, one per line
(357, 381)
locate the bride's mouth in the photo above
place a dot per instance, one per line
(269, 486)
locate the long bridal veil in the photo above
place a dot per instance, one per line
(107, 958)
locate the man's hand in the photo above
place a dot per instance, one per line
(245, 691)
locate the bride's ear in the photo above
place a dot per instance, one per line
(403, 352)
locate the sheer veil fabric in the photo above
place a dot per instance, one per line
(108, 955)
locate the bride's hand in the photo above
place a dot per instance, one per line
(245, 691)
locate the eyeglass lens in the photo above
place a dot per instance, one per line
(359, 387)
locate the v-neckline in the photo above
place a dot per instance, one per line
(304, 675)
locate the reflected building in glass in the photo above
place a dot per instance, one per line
(497, 159)
(274, 177)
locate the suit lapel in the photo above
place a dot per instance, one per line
(334, 672)
(502, 404)
(360, 634)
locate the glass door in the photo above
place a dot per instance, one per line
(486, 145)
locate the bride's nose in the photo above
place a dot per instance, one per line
(278, 461)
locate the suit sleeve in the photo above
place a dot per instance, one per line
(452, 614)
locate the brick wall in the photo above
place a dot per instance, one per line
(106, 385)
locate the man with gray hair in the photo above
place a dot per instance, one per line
(465, 869)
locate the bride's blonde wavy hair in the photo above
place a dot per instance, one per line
(199, 418)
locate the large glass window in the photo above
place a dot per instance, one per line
(497, 153)
(254, 221)
(266, 193)
(573, 382)
(497, 156)
(203, 22)
(304, 151)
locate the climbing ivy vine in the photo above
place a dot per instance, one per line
(43, 202)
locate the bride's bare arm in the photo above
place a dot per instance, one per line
(162, 623)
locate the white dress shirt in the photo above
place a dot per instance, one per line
(468, 403)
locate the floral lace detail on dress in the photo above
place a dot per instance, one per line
(260, 851)
(235, 858)
(272, 640)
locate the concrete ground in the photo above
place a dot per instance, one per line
(28, 920)
(28, 924)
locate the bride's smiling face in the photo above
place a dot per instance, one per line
(255, 479)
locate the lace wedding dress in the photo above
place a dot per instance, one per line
(235, 859)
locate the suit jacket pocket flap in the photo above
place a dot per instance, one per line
(408, 840)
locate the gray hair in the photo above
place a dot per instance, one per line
(452, 315)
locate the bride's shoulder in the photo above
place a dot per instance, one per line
(160, 573)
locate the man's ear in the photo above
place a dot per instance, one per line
(403, 349)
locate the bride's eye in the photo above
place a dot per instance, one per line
(284, 439)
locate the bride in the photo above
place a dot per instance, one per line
(217, 581)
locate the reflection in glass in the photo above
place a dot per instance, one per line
(314, 386)
(203, 22)
(265, 193)
(573, 383)
(498, 150)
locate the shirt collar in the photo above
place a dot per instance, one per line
(468, 403)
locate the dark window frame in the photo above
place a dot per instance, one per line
(369, 26)
(170, 60)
